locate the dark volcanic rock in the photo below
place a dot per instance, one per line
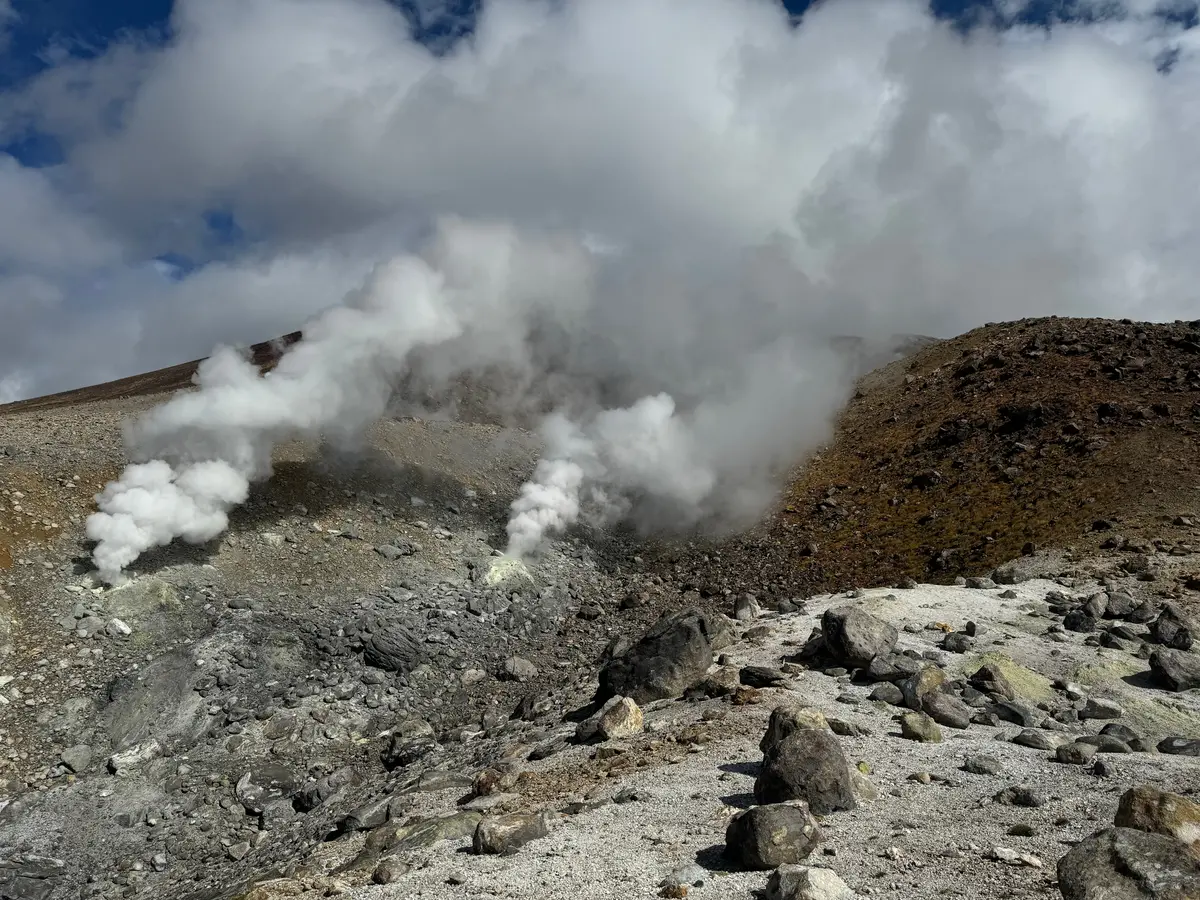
(854, 637)
(1125, 864)
(765, 837)
(675, 653)
(1176, 670)
(393, 647)
(990, 679)
(1179, 746)
(1172, 628)
(807, 765)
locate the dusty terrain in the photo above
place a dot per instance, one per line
(239, 713)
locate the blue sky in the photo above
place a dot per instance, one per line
(156, 197)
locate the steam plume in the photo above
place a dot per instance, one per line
(655, 251)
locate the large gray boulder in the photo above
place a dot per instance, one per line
(854, 637)
(1173, 628)
(807, 765)
(1176, 670)
(673, 654)
(1125, 864)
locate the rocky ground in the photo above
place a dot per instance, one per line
(1046, 432)
(347, 695)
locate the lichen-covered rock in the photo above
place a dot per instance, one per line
(1127, 864)
(764, 837)
(786, 719)
(1148, 809)
(920, 727)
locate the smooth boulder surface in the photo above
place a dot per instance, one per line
(854, 637)
(1127, 864)
(764, 837)
(672, 655)
(807, 765)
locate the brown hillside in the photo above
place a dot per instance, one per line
(1050, 432)
(162, 381)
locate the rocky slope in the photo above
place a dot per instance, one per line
(300, 702)
(926, 741)
(1044, 432)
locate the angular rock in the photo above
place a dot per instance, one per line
(389, 870)
(518, 669)
(1179, 746)
(746, 608)
(764, 837)
(761, 676)
(1176, 670)
(1104, 743)
(505, 835)
(990, 679)
(983, 765)
(1119, 605)
(1173, 628)
(1020, 795)
(672, 655)
(957, 642)
(1039, 740)
(1126, 735)
(263, 784)
(1126, 864)
(126, 760)
(623, 719)
(1099, 708)
(888, 693)
(806, 883)
(1079, 621)
(77, 758)
(414, 835)
(1019, 713)
(807, 765)
(892, 667)
(1146, 808)
(854, 637)
(924, 682)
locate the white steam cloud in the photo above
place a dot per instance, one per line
(484, 297)
(655, 213)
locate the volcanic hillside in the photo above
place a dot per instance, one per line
(1041, 432)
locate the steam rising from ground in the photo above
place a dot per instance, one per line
(654, 213)
(482, 297)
